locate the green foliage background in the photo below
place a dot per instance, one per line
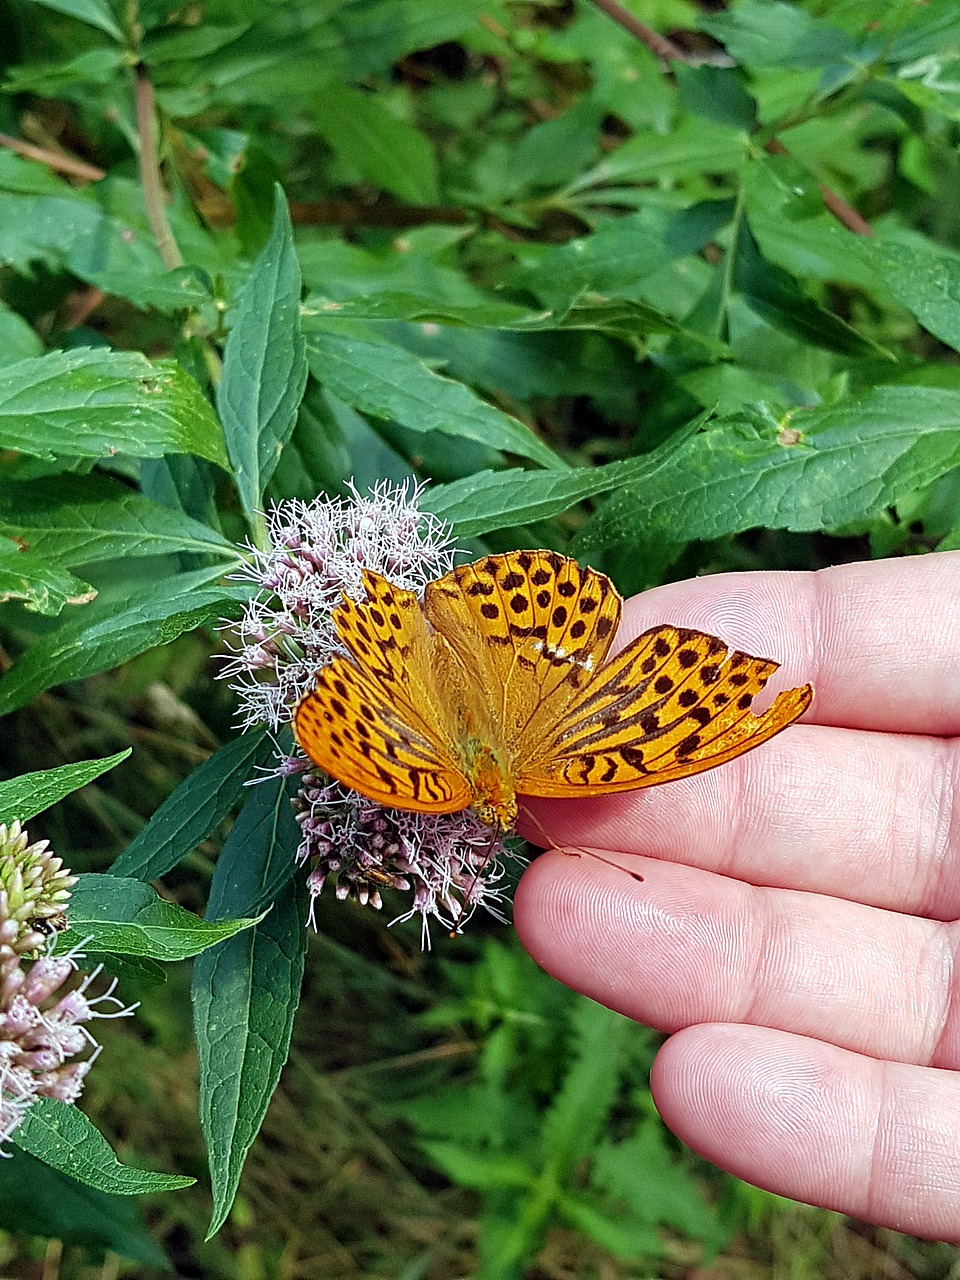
(676, 308)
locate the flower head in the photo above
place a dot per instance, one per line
(316, 554)
(34, 890)
(42, 1018)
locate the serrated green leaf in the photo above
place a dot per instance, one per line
(31, 793)
(115, 628)
(622, 317)
(128, 917)
(101, 234)
(614, 259)
(388, 152)
(63, 1137)
(97, 403)
(817, 469)
(43, 587)
(246, 990)
(643, 1172)
(384, 380)
(39, 1201)
(579, 1109)
(611, 1228)
(81, 519)
(923, 276)
(197, 806)
(264, 366)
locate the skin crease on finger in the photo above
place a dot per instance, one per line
(797, 1115)
(875, 1140)
(860, 806)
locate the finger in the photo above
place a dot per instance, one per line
(685, 947)
(876, 1140)
(874, 817)
(879, 640)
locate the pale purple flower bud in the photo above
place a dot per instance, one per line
(42, 1021)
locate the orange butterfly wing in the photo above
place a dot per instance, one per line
(537, 627)
(510, 652)
(672, 703)
(532, 627)
(375, 720)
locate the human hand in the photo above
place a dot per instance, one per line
(796, 928)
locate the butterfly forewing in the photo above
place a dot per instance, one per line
(533, 625)
(379, 726)
(672, 703)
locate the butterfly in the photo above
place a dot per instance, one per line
(498, 683)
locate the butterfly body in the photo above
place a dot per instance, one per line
(498, 684)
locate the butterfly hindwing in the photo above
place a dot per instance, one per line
(374, 720)
(672, 703)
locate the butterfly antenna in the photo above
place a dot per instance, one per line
(575, 851)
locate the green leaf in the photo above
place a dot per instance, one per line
(63, 1137)
(129, 918)
(778, 298)
(762, 34)
(17, 339)
(115, 628)
(553, 151)
(196, 807)
(31, 793)
(43, 587)
(644, 1172)
(97, 13)
(611, 1228)
(245, 991)
(614, 259)
(81, 519)
(816, 469)
(619, 316)
(97, 403)
(490, 500)
(923, 276)
(716, 93)
(388, 382)
(786, 214)
(36, 1200)
(578, 1111)
(264, 367)
(695, 147)
(388, 152)
(481, 1170)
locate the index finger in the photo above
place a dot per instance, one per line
(855, 812)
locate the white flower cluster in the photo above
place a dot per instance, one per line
(316, 554)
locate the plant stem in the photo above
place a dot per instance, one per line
(150, 179)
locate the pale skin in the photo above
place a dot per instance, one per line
(796, 930)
